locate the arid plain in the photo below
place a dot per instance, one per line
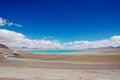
(76, 66)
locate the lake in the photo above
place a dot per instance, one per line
(56, 51)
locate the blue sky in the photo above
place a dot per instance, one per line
(64, 20)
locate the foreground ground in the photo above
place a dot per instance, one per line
(111, 58)
(27, 73)
(61, 67)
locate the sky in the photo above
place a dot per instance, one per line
(61, 21)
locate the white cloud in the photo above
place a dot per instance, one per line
(2, 22)
(5, 22)
(14, 39)
(48, 37)
(115, 38)
(18, 25)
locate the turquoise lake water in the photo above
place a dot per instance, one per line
(56, 51)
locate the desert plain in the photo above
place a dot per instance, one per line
(75, 66)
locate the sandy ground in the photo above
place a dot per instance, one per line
(24, 70)
(95, 53)
(11, 79)
(12, 69)
(57, 74)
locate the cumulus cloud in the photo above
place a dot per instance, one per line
(5, 22)
(15, 39)
(115, 38)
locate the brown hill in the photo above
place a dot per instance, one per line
(3, 46)
(4, 50)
